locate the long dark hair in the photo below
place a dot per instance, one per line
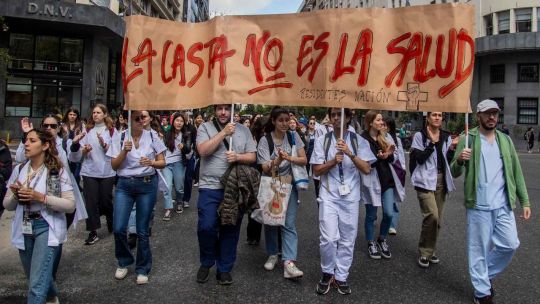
(274, 114)
(60, 129)
(391, 126)
(257, 128)
(171, 135)
(52, 161)
(78, 121)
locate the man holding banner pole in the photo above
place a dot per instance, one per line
(493, 181)
(217, 149)
(338, 158)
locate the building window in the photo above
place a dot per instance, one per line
(500, 102)
(488, 21)
(523, 20)
(47, 53)
(21, 49)
(71, 55)
(504, 22)
(528, 72)
(18, 96)
(538, 19)
(112, 81)
(527, 110)
(56, 83)
(496, 73)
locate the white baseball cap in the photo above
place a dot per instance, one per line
(487, 104)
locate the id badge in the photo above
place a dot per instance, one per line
(27, 227)
(344, 190)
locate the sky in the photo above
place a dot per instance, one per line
(253, 7)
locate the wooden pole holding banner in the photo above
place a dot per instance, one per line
(467, 130)
(129, 125)
(232, 121)
(342, 122)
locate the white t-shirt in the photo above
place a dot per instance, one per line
(331, 181)
(96, 163)
(264, 155)
(176, 155)
(149, 146)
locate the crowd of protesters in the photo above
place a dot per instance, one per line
(163, 157)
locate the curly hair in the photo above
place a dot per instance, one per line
(52, 161)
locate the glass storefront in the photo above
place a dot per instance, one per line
(45, 75)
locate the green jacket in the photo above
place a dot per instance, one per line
(515, 182)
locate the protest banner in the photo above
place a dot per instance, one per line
(418, 58)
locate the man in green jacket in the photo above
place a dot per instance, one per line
(493, 180)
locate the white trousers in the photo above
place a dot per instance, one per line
(338, 224)
(492, 241)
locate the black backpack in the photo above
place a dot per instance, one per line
(270, 141)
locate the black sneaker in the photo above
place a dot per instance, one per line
(373, 251)
(224, 278)
(434, 259)
(484, 300)
(132, 240)
(491, 289)
(423, 262)
(323, 287)
(203, 274)
(343, 287)
(110, 225)
(385, 250)
(92, 238)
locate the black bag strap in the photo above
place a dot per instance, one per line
(354, 142)
(326, 144)
(328, 140)
(270, 140)
(218, 128)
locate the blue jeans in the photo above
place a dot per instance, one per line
(38, 259)
(388, 214)
(217, 243)
(395, 218)
(188, 181)
(174, 172)
(75, 169)
(288, 232)
(130, 191)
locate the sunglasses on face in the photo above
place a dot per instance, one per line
(52, 126)
(139, 118)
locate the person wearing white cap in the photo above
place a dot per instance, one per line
(493, 181)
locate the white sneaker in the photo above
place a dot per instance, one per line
(392, 231)
(53, 301)
(290, 270)
(142, 279)
(271, 262)
(120, 273)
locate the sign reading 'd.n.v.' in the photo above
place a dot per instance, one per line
(416, 58)
(52, 9)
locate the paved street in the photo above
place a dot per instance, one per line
(86, 274)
